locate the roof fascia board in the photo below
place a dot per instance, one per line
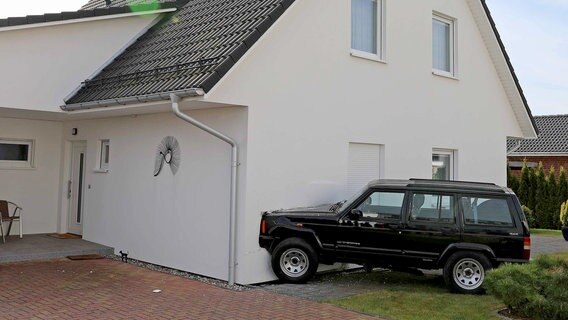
(504, 68)
(88, 19)
(538, 154)
(130, 42)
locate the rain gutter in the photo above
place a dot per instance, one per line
(154, 97)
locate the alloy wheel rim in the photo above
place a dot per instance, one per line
(294, 262)
(469, 274)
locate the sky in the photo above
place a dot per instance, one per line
(535, 33)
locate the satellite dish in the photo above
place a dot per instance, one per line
(168, 152)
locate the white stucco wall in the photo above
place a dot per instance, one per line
(179, 221)
(308, 98)
(35, 190)
(41, 66)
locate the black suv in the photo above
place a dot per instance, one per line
(465, 228)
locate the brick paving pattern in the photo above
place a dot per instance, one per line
(105, 289)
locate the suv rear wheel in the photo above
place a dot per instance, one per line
(294, 260)
(464, 272)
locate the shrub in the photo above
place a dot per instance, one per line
(564, 214)
(529, 214)
(538, 290)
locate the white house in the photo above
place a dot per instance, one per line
(320, 96)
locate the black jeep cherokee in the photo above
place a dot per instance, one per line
(465, 228)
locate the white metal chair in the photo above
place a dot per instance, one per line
(5, 208)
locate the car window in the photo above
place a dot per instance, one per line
(432, 208)
(486, 211)
(383, 205)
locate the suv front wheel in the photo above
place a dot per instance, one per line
(464, 272)
(294, 260)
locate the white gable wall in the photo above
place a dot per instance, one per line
(41, 66)
(308, 98)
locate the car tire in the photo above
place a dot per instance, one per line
(465, 272)
(294, 260)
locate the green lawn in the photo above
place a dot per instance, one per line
(402, 296)
(546, 232)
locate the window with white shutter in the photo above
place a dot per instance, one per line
(364, 165)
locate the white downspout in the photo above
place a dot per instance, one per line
(234, 170)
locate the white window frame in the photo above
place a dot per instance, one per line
(29, 164)
(453, 45)
(102, 154)
(380, 56)
(453, 160)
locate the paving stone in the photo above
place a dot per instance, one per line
(107, 289)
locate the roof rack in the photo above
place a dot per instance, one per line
(453, 181)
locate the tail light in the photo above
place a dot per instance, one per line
(526, 248)
(263, 226)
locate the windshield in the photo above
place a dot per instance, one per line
(349, 202)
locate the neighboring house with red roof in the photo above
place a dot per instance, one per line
(551, 147)
(317, 98)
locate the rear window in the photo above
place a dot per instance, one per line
(486, 211)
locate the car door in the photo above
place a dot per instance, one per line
(490, 220)
(432, 224)
(376, 232)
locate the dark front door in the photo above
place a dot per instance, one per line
(377, 232)
(431, 226)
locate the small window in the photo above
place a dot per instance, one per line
(443, 44)
(432, 208)
(104, 155)
(16, 153)
(383, 205)
(366, 26)
(443, 164)
(486, 211)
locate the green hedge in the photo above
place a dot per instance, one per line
(542, 193)
(538, 290)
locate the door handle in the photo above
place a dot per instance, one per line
(69, 189)
(393, 226)
(449, 231)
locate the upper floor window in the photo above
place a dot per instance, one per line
(16, 153)
(443, 44)
(366, 27)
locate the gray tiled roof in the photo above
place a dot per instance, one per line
(95, 8)
(553, 137)
(96, 4)
(191, 48)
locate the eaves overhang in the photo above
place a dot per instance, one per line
(504, 67)
(190, 92)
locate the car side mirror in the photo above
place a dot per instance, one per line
(355, 215)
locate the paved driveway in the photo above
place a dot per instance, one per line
(106, 289)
